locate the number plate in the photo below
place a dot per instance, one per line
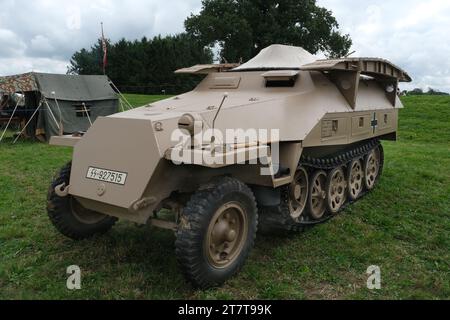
(109, 176)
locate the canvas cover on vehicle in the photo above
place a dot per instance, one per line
(278, 57)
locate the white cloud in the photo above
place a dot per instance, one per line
(43, 34)
(412, 34)
(10, 45)
(41, 44)
(45, 31)
(19, 65)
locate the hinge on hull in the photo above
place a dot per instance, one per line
(348, 84)
(391, 90)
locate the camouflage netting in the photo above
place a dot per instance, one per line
(18, 83)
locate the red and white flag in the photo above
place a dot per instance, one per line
(105, 51)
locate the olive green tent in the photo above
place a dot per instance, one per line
(59, 104)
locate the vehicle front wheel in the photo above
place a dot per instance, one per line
(217, 232)
(69, 217)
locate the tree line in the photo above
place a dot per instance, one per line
(238, 28)
(421, 92)
(145, 66)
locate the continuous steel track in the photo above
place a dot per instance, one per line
(279, 218)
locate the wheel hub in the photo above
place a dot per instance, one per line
(297, 192)
(226, 236)
(223, 232)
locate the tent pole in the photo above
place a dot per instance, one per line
(61, 128)
(87, 113)
(121, 95)
(28, 123)
(10, 119)
(52, 114)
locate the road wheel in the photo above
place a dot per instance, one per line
(298, 194)
(69, 217)
(336, 190)
(355, 178)
(372, 168)
(288, 216)
(317, 195)
(217, 232)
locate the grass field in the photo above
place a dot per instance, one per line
(403, 227)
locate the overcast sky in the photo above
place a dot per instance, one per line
(41, 35)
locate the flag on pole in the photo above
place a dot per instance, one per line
(105, 51)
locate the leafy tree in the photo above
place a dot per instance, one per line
(434, 92)
(416, 92)
(421, 92)
(87, 61)
(243, 27)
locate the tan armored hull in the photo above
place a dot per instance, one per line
(323, 121)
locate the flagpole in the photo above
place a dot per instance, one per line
(104, 50)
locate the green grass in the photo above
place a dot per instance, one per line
(140, 99)
(403, 227)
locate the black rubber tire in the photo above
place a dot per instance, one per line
(60, 212)
(277, 221)
(193, 227)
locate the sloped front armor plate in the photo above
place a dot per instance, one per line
(122, 145)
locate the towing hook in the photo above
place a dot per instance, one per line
(62, 191)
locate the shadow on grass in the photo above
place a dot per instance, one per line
(141, 262)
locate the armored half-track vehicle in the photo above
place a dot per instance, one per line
(282, 142)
